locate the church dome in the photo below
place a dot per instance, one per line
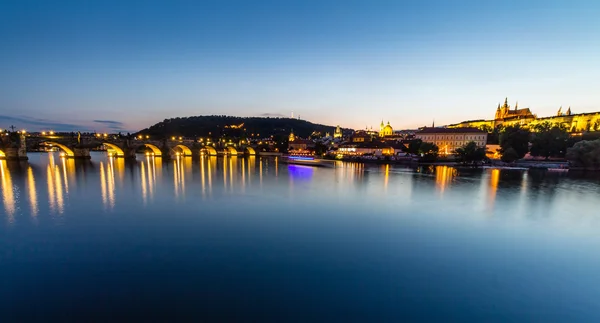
(387, 130)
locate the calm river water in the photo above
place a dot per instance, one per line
(253, 240)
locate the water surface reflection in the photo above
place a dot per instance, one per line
(220, 237)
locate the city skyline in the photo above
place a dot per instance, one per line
(113, 66)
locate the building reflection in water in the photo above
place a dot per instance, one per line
(32, 192)
(494, 179)
(386, 176)
(349, 174)
(56, 191)
(8, 194)
(444, 176)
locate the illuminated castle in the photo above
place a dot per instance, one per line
(508, 116)
(504, 112)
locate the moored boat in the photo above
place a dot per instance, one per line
(307, 160)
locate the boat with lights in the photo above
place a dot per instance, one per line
(307, 160)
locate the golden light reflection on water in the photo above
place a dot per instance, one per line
(225, 172)
(232, 160)
(107, 184)
(349, 173)
(494, 179)
(260, 171)
(148, 175)
(182, 169)
(386, 176)
(243, 175)
(32, 192)
(443, 177)
(56, 191)
(151, 166)
(144, 184)
(8, 194)
(251, 166)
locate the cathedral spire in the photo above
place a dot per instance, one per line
(505, 102)
(516, 105)
(559, 113)
(569, 111)
(433, 124)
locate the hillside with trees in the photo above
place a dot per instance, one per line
(228, 126)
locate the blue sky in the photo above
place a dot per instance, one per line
(109, 65)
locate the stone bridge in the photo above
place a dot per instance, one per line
(73, 147)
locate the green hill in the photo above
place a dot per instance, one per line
(227, 126)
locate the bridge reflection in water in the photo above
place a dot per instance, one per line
(8, 194)
(154, 179)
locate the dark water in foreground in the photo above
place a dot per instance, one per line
(247, 239)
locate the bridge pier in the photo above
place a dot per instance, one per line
(81, 153)
(128, 153)
(15, 154)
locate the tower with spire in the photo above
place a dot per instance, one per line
(338, 132)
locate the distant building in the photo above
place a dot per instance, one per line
(448, 139)
(299, 144)
(369, 148)
(361, 136)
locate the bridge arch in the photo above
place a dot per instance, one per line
(250, 151)
(68, 151)
(154, 149)
(186, 151)
(211, 151)
(118, 152)
(231, 150)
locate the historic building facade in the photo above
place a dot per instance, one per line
(449, 139)
(509, 116)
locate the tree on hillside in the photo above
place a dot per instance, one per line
(549, 140)
(233, 127)
(470, 153)
(585, 154)
(516, 138)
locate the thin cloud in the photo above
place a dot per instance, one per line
(112, 122)
(38, 124)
